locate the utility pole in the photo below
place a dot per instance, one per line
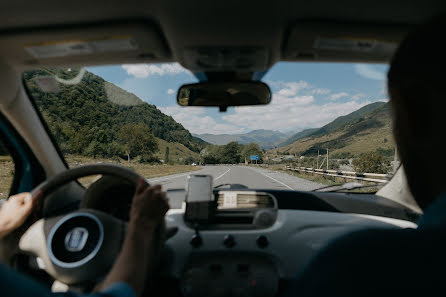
(317, 160)
(327, 158)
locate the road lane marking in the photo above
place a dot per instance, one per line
(275, 180)
(156, 179)
(229, 169)
(167, 178)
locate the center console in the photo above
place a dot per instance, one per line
(230, 271)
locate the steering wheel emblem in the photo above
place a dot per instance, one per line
(76, 239)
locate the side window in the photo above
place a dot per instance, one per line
(6, 169)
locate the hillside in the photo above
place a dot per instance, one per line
(87, 117)
(334, 125)
(266, 139)
(297, 136)
(367, 129)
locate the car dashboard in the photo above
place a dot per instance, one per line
(253, 246)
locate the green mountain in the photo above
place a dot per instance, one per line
(367, 129)
(86, 117)
(348, 119)
(297, 136)
(336, 124)
(266, 139)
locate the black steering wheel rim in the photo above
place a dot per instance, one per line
(50, 185)
(94, 257)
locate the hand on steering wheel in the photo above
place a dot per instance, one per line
(148, 212)
(81, 246)
(14, 212)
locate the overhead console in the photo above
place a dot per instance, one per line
(84, 44)
(233, 59)
(331, 41)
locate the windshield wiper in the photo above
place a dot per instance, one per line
(346, 187)
(232, 186)
(221, 185)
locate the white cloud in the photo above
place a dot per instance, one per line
(292, 108)
(369, 72)
(357, 96)
(318, 91)
(145, 70)
(195, 120)
(170, 91)
(291, 87)
(338, 95)
(285, 116)
(289, 110)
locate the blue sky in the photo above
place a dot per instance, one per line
(305, 95)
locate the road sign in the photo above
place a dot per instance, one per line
(254, 157)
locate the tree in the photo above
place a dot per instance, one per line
(230, 154)
(211, 154)
(166, 155)
(95, 148)
(251, 149)
(371, 162)
(136, 140)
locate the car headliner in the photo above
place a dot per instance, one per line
(204, 23)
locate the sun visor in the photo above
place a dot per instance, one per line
(85, 45)
(334, 42)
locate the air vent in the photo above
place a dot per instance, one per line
(244, 199)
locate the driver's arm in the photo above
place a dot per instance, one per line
(147, 213)
(128, 274)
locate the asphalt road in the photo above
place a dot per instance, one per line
(252, 177)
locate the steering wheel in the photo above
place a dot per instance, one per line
(80, 246)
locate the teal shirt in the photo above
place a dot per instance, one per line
(435, 214)
(13, 284)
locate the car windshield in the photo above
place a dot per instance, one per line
(328, 124)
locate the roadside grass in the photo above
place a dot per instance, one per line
(322, 179)
(146, 170)
(317, 178)
(6, 175)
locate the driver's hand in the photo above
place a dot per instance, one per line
(149, 205)
(14, 212)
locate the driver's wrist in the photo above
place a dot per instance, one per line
(4, 229)
(137, 224)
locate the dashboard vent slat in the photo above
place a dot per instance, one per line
(247, 200)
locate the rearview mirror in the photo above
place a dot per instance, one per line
(224, 94)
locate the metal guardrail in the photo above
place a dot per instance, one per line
(366, 177)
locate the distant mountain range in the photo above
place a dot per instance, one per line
(366, 129)
(266, 139)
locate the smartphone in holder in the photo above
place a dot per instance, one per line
(199, 198)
